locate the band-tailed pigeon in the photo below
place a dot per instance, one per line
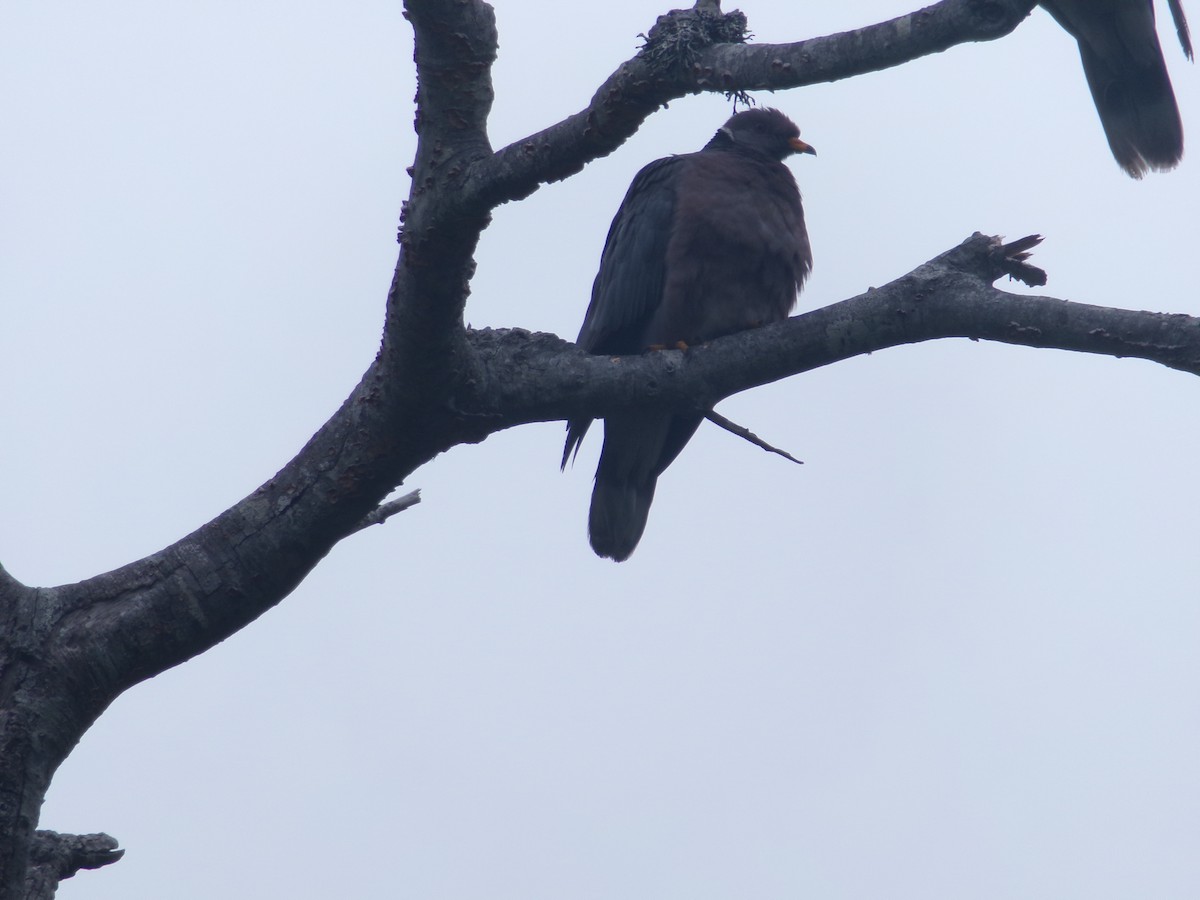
(1127, 75)
(703, 245)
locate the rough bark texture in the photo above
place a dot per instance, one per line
(67, 652)
(53, 857)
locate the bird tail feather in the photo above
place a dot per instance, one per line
(618, 516)
(638, 446)
(1138, 111)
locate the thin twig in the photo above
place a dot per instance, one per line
(385, 511)
(734, 428)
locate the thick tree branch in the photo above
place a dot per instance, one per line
(936, 28)
(531, 378)
(454, 48)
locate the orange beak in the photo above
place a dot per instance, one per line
(800, 147)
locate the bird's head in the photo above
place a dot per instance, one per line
(765, 131)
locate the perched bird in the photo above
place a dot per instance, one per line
(1127, 75)
(703, 245)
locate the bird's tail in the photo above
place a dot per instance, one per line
(1128, 78)
(618, 516)
(1137, 109)
(638, 446)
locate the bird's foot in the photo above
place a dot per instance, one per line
(678, 345)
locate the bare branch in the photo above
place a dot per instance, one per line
(385, 511)
(746, 434)
(530, 378)
(54, 857)
(644, 83)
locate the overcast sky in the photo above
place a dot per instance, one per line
(954, 655)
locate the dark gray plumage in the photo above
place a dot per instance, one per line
(703, 245)
(1127, 75)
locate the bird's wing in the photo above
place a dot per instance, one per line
(629, 285)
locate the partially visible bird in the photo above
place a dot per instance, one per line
(1126, 72)
(703, 245)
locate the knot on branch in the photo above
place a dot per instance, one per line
(678, 36)
(988, 257)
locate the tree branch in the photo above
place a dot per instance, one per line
(385, 511)
(54, 857)
(747, 435)
(454, 48)
(642, 84)
(531, 378)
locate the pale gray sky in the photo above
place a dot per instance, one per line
(954, 655)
